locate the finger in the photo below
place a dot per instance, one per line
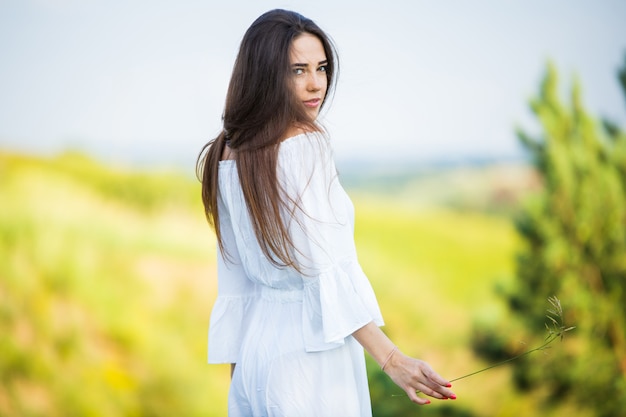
(434, 376)
(426, 390)
(416, 399)
(432, 389)
(438, 384)
(439, 392)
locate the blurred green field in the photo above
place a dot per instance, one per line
(107, 279)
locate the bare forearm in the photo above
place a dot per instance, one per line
(374, 341)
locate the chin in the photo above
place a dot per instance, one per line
(314, 115)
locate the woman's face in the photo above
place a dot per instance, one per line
(308, 67)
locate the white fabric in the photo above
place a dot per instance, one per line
(290, 333)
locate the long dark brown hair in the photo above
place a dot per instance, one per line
(260, 109)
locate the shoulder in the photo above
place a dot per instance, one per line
(306, 142)
(306, 151)
(305, 155)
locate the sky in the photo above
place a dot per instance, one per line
(144, 81)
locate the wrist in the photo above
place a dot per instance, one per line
(388, 358)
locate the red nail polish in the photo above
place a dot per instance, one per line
(453, 397)
(427, 402)
(449, 386)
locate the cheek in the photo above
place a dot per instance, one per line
(299, 87)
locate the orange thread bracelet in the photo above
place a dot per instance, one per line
(382, 368)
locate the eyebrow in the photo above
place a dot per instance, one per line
(324, 62)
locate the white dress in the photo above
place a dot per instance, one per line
(290, 333)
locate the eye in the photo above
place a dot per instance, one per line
(322, 68)
(298, 71)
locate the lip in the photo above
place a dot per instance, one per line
(313, 102)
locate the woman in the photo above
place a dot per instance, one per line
(294, 309)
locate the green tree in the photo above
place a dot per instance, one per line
(574, 247)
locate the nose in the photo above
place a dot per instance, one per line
(315, 81)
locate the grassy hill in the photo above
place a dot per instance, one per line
(106, 283)
(107, 279)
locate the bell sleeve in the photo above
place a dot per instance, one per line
(235, 294)
(338, 297)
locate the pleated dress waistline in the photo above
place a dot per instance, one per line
(282, 295)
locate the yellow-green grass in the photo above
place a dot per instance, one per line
(105, 302)
(434, 272)
(107, 278)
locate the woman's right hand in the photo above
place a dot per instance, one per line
(414, 375)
